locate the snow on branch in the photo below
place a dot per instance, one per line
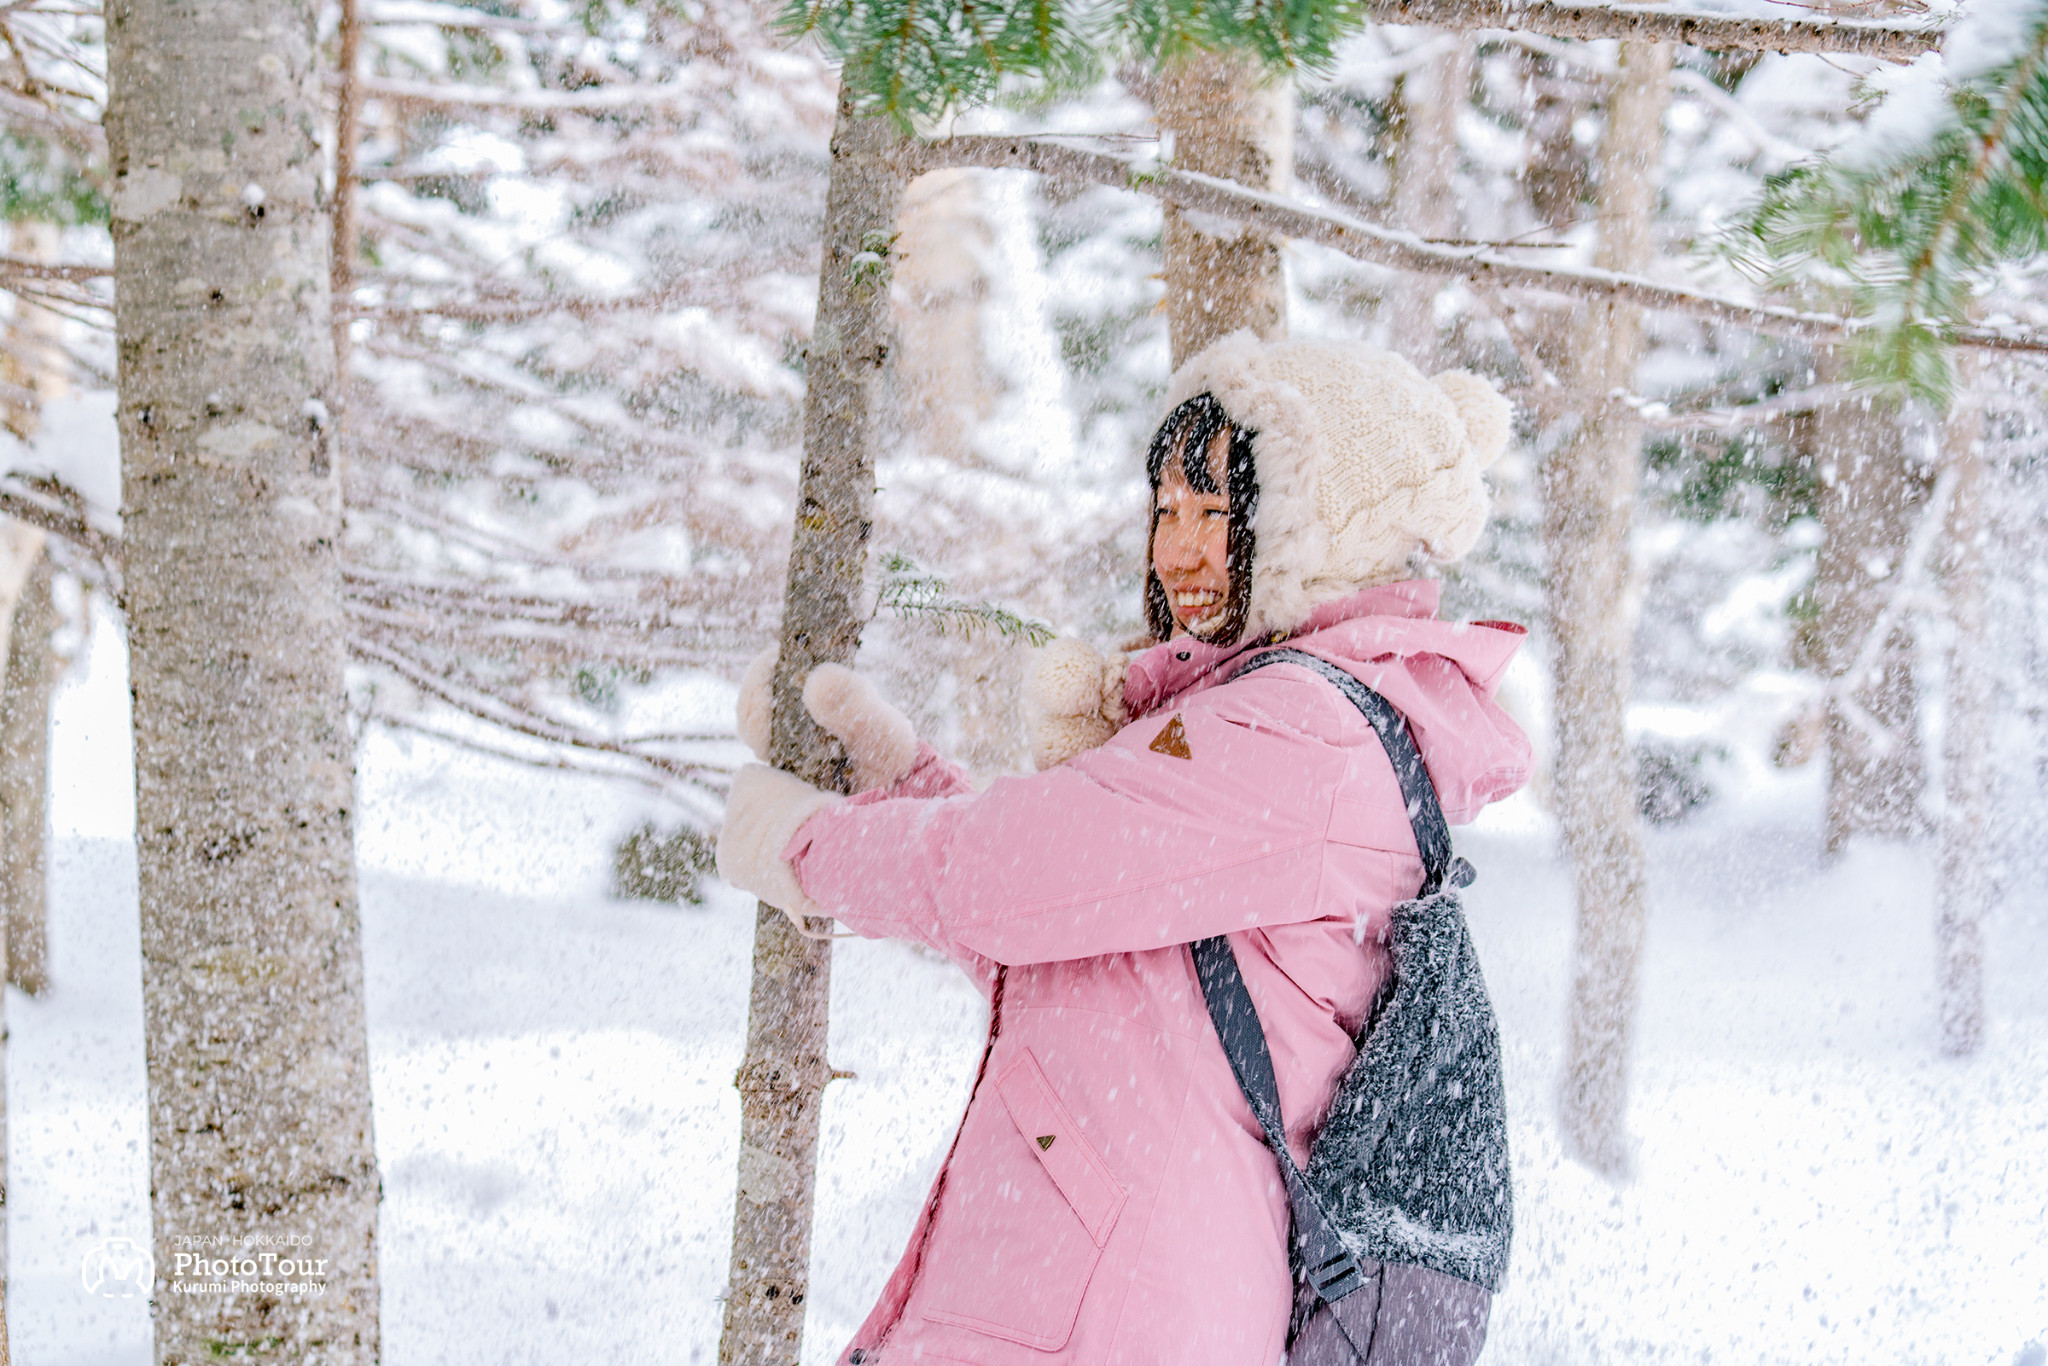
(1663, 24)
(1266, 212)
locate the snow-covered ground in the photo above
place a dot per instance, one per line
(556, 1121)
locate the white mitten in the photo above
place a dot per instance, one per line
(1073, 700)
(878, 738)
(763, 812)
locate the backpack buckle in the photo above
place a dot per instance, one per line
(1337, 1277)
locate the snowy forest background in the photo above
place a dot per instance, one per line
(574, 335)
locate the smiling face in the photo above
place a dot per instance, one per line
(1191, 543)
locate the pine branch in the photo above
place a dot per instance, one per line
(916, 594)
(1910, 224)
(1273, 213)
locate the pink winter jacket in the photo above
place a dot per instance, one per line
(1109, 1198)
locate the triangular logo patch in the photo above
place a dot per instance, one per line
(1173, 740)
(1044, 1141)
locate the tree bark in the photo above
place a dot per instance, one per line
(1589, 495)
(24, 596)
(348, 108)
(1427, 101)
(28, 678)
(259, 1092)
(1964, 888)
(1870, 500)
(1231, 120)
(782, 1079)
(33, 358)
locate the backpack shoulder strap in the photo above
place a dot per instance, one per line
(1440, 867)
(1329, 1264)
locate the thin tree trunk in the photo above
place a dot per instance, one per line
(1228, 119)
(259, 1087)
(782, 1079)
(1427, 101)
(347, 132)
(26, 683)
(34, 357)
(1589, 495)
(1870, 501)
(1964, 888)
(24, 569)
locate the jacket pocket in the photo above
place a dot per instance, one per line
(1022, 1231)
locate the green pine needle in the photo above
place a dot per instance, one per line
(916, 59)
(917, 595)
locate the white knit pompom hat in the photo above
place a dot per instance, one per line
(1362, 462)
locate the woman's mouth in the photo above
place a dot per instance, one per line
(1195, 605)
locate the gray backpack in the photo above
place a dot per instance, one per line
(1402, 1221)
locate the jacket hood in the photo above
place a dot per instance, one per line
(1440, 675)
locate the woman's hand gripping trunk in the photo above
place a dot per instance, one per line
(766, 807)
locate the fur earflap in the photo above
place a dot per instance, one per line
(1073, 700)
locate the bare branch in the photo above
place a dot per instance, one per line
(690, 290)
(1266, 212)
(1661, 24)
(595, 100)
(51, 506)
(509, 715)
(457, 17)
(14, 268)
(551, 761)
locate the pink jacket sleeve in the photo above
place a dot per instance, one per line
(1122, 849)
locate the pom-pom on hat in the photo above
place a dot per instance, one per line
(1362, 463)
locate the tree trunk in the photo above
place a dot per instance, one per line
(1870, 502)
(24, 596)
(259, 1087)
(782, 1079)
(27, 679)
(1427, 101)
(33, 358)
(1228, 118)
(348, 109)
(1964, 888)
(1589, 495)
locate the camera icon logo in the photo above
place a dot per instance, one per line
(118, 1268)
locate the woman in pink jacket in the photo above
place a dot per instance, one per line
(1109, 1197)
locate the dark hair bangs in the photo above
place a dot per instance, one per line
(1194, 426)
